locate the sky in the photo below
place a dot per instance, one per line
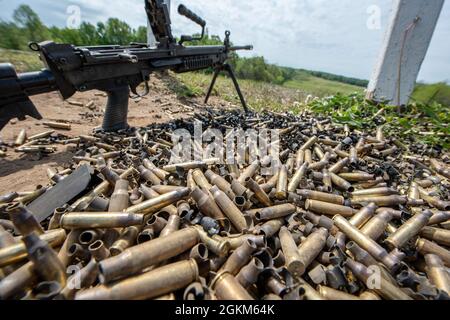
(337, 36)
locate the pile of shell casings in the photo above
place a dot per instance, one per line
(346, 215)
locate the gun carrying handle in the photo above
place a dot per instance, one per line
(116, 112)
(191, 16)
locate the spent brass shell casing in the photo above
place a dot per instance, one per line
(366, 243)
(376, 226)
(329, 208)
(137, 258)
(100, 220)
(363, 215)
(440, 236)
(437, 273)
(230, 210)
(321, 196)
(148, 285)
(226, 287)
(58, 125)
(409, 229)
(275, 212)
(154, 205)
(282, 184)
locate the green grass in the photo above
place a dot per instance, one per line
(320, 87)
(22, 60)
(428, 93)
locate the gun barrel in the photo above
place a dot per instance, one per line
(237, 48)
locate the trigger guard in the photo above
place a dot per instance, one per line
(137, 95)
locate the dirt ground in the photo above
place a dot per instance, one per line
(23, 172)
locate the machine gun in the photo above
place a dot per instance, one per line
(114, 69)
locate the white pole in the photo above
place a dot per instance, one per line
(150, 36)
(406, 42)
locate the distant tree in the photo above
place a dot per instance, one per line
(117, 32)
(31, 24)
(12, 36)
(88, 34)
(140, 35)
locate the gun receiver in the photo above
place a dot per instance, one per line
(114, 69)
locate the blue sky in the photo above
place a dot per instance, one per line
(325, 35)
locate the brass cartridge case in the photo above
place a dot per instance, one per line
(297, 177)
(249, 273)
(434, 202)
(23, 219)
(226, 287)
(201, 180)
(440, 168)
(154, 205)
(120, 198)
(237, 241)
(126, 240)
(41, 135)
(100, 220)
(369, 295)
(250, 171)
(54, 222)
(219, 247)
(99, 251)
(383, 191)
(173, 224)
(45, 260)
(239, 258)
(321, 196)
(221, 183)
(408, 230)
(275, 212)
(17, 252)
(206, 204)
(270, 228)
(341, 183)
(299, 158)
(149, 176)
(308, 144)
(310, 248)
(21, 137)
(387, 290)
(353, 156)
(366, 243)
(282, 184)
(308, 292)
(425, 246)
(327, 183)
(380, 200)
(150, 193)
(148, 285)
(333, 294)
(58, 125)
(8, 197)
(317, 166)
(376, 226)
(160, 173)
(328, 208)
(137, 258)
(439, 217)
(238, 188)
(15, 282)
(260, 194)
(293, 260)
(63, 254)
(437, 273)
(356, 176)
(85, 278)
(230, 210)
(338, 166)
(440, 236)
(363, 215)
(188, 165)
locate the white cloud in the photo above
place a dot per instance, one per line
(327, 35)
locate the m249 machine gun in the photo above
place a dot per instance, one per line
(114, 69)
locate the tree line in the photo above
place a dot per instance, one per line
(27, 26)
